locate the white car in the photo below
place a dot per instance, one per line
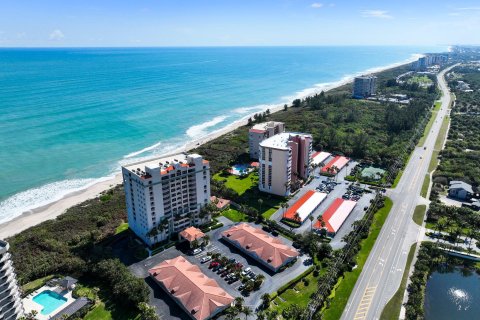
(206, 259)
(246, 271)
(196, 251)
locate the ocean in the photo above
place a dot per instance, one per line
(70, 117)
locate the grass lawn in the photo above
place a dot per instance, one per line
(99, 312)
(442, 134)
(392, 308)
(299, 295)
(122, 227)
(35, 284)
(345, 287)
(239, 184)
(234, 215)
(420, 79)
(103, 309)
(425, 185)
(436, 108)
(419, 214)
(397, 178)
(439, 144)
(247, 189)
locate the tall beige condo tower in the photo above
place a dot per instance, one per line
(284, 160)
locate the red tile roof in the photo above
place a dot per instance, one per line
(198, 293)
(269, 249)
(256, 131)
(191, 233)
(221, 203)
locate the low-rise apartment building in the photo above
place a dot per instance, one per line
(260, 132)
(285, 159)
(166, 195)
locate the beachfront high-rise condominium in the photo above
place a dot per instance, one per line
(165, 196)
(284, 161)
(260, 132)
(10, 300)
(364, 86)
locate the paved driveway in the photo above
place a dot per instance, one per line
(338, 192)
(167, 308)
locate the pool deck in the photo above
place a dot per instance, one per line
(29, 305)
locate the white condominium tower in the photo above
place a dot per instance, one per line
(10, 300)
(165, 196)
(284, 161)
(260, 132)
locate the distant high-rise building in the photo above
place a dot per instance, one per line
(165, 196)
(284, 159)
(364, 86)
(260, 132)
(10, 300)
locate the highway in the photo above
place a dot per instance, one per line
(382, 273)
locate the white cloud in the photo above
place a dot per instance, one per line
(57, 35)
(381, 14)
(316, 5)
(469, 9)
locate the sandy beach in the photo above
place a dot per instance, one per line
(53, 210)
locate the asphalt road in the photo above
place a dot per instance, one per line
(382, 273)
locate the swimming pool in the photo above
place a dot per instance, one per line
(239, 169)
(49, 300)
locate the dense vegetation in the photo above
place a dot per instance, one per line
(460, 160)
(358, 128)
(77, 244)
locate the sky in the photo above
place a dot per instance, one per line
(85, 23)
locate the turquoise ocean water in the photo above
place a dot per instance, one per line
(69, 117)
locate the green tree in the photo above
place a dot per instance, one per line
(147, 312)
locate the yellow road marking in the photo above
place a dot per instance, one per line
(365, 302)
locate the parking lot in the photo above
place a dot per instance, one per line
(167, 308)
(338, 191)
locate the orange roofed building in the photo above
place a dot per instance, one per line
(269, 251)
(199, 296)
(192, 234)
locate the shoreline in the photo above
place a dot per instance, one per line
(54, 209)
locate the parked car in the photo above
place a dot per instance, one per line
(246, 271)
(252, 275)
(205, 259)
(232, 260)
(241, 287)
(233, 279)
(222, 269)
(213, 264)
(266, 228)
(224, 273)
(195, 252)
(215, 269)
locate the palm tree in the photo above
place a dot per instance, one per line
(311, 222)
(247, 312)
(238, 303)
(266, 300)
(260, 202)
(296, 217)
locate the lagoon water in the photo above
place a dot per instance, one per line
(453, 295)
(69, 117)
